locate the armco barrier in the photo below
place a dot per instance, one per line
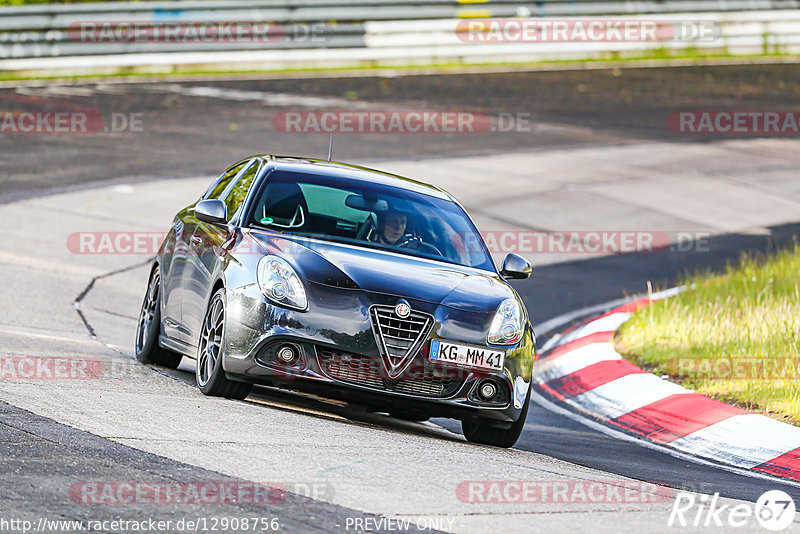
(333, 33)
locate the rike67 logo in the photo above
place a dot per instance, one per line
(774, 511)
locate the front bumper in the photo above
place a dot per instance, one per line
(339, 356)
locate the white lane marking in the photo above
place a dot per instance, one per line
(542, 401)
(546, 370)
(55, 90)
(544, 328)
(608, 323)
(626, 394)
(267, 99)
(745, 440)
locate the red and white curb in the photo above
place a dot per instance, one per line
(582, 369)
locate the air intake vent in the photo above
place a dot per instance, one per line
(399, 339)
(350, 367)
(364, 371)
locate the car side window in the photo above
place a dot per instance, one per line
(237, 191)
(224, 181)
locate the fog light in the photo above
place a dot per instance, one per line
(287, 353)
(488, 390)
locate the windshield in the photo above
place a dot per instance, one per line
(370, 215)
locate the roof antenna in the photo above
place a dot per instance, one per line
(330, 148)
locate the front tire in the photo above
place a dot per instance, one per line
(149, 328)
(497, 437)
(209, 373)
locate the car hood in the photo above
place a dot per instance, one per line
(351, 267)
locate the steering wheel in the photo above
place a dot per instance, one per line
(415, 242)
(431, 249)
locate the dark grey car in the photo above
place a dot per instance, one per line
(346, 281)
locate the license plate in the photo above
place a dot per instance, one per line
(473, 356)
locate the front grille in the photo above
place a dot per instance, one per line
(426, 388)
(364, 371)
(349, 368)
(399, 339)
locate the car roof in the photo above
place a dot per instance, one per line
(353, 172)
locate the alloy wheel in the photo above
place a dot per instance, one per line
(148, 313)
(210, 341)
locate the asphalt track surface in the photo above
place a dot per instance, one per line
(608, 117)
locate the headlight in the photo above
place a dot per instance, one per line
(280, 283)
(507, 324)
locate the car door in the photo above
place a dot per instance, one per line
(206, 250)
(177, 252)
(172, 262)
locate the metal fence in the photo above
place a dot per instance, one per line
(292, 33)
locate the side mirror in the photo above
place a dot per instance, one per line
(211, 211)
(516, 267)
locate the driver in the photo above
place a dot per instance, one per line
(392, 229)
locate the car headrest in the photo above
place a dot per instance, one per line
(283, 199)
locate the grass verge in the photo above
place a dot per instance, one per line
(734, 337)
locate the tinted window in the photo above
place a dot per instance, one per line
(371, 215)
(224, 181)
(330, 201)
(238, 190)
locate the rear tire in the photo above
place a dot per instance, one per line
(209, 373)
(497, 437)
(149, 328)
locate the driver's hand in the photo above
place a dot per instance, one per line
(409, 241)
